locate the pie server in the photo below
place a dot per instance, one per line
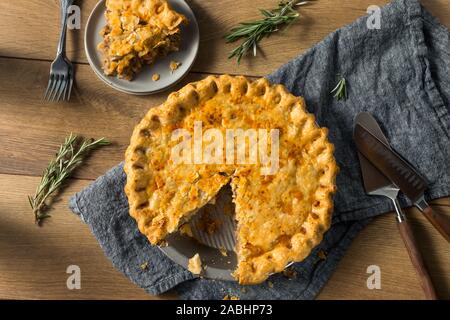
(375, 183)
(375, 147)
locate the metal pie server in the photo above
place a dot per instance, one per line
(375, 183)
(371, 142)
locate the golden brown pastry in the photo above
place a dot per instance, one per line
(281, 214)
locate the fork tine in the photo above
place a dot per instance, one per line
(62, 87)
(55, 90)
(64, 95)
(52, 89)
(50, 82)
(70, 84)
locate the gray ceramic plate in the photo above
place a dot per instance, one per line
(143, 83)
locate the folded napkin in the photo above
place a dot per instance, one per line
(400, 73)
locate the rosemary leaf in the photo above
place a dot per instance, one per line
(340, 91)
(69, 156)
(253, 31)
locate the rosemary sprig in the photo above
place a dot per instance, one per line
(340, 91)
(69, 156)
(254, 31)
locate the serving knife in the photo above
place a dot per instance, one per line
(375, 147)
(375, 183)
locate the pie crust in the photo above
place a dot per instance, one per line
(280, 216)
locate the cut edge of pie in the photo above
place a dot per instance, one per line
(142, 177)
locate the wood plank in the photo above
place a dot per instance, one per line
(31, 129)
(444, 202)
(380, 244)
(29, 37)
(33, 260)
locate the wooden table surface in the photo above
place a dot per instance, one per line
(33, 260)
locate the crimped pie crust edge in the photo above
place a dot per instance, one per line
(256, 269)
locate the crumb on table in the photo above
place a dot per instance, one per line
(230, 297)
(155, 77)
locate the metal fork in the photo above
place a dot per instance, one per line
(61, 71)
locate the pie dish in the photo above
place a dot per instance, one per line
(280, 216)
(137, 33)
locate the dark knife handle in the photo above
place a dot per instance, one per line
(439, 222)
(417, 260)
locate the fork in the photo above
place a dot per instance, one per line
(61, 71)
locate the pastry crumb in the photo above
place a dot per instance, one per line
(163, 244)
(230, 297)
(290, 273)
(322, 255)
(207, 223)
(186, 230)
(195, 264)
(155, 77)
(244, 290)
(144, 266)
(223, 252)
(174, 65)
(270, 284)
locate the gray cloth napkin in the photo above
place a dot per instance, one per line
(400, 73)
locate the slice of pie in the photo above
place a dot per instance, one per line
(137, 33)
(281, 213)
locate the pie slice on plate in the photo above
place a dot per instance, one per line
(137, 33)
(265, 144)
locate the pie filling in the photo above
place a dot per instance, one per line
(281, 214)
(136, 34)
